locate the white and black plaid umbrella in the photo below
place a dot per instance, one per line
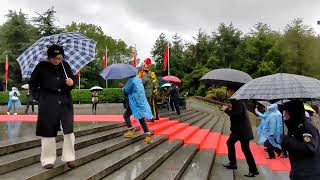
(280, 86)
(226, 77)
(79, 51)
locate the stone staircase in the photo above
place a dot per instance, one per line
(184, 147)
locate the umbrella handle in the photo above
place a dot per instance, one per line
(64, 70)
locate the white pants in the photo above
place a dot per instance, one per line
(49, 152)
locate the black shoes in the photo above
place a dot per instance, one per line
(71, 164)
(252, 174)
(230, 166)
(48, 166)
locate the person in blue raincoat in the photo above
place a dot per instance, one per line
(14, 101)
(261, 128)
(273, 131)
(139, 107)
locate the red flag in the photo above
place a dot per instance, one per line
(166, 59)
(6, 70)
(135, 58)
(78, 74)
(105, 61)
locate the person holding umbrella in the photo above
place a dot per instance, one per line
(241, 130)
(51, 83)
(302, 142)
(174, 98)
(14, 101)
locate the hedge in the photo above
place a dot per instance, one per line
(110, 95)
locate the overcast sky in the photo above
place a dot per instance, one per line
(141, 21)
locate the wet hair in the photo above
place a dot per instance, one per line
(55, 50)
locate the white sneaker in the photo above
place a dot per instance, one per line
(8, 113)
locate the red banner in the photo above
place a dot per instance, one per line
(165, 59)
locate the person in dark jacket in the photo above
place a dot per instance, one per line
(301, 142)
(30, 102)
(241, 130)
(51, 83)
(174, 98)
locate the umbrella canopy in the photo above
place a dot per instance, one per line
(166, 85)
(307, 107)
(280, 86)
(264, 103)
(171, 79)
(96, 88)
(25, 86)
(283, 101)
(226, 77)
(118, 71)
(79, 51)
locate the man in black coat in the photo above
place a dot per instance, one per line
(302, 143)
(241, 130)
(51, 83)
(174, 98)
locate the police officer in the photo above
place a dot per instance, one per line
(302, 143)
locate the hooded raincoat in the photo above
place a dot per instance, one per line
(274, 126)
(17, 102)
(261, 128)
(137, 98)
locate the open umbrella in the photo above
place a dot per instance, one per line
(78, 50)
(226, 77)
(96, 88)
(25, 86)
(118, 71)
(280, 86)
(307, 107)
(166, 85)
(171, 79)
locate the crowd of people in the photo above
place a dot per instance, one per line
(301, 143)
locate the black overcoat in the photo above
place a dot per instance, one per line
(240, 123)
(48, 86)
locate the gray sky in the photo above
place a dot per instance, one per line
(141, 21)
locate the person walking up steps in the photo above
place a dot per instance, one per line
(241, 130)
(138, 106)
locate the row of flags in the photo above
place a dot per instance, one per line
(105, 63)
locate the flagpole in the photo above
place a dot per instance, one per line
(79, 80)
(168, 60)
(106, 65)
(7, 71)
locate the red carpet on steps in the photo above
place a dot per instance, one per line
(203, 138)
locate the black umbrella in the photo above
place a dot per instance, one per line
(226, 77)
(280, 86)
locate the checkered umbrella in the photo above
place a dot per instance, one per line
(79, 51)
(280, 86)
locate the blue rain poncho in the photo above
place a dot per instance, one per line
(274, 126)
(261, 128)
(137, 99)
(17, 102)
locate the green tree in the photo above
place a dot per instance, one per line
(16, 35)
(45, 22)
(157, 53)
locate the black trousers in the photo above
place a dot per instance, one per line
(271, 149)
(174, 103)
(28, 106)
(94, 106)
(245, 149)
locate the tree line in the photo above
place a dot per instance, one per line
(260, 52)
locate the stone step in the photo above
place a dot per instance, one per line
(109, 163)
(141, 167)
(218, 171)
(184, 118)
(23, 158)
(170, 113)
(175, 165)
(84, 155)
(175, 117)
(34, 142)
(200, 166)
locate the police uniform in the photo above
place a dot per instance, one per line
(302, 143)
